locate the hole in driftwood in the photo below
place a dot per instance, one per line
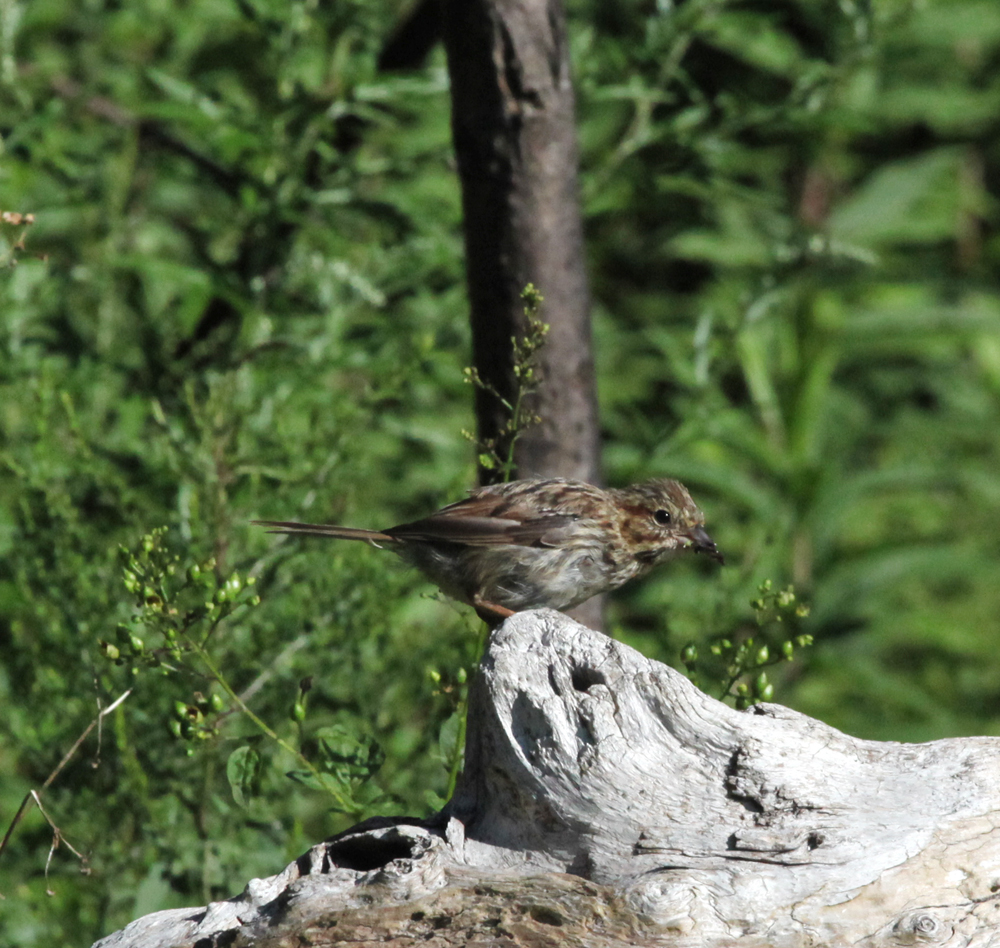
(363, 853)
(545, 915)
(222, 940)
(585, 678)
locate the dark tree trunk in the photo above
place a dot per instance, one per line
(515, 140)
(513, 120)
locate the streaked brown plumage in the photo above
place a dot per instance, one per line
(545, 542)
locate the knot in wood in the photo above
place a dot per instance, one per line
(920, 928)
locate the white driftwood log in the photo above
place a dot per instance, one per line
(608, 802)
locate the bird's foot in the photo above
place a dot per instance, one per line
(490, 612)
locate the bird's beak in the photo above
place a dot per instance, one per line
(703, 543)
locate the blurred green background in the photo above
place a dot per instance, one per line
(242, 296)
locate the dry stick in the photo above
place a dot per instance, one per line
(33, 795)
(57, 837)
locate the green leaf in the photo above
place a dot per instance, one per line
(915, 200)
(243, 769)
(347, 755)
(448, 738)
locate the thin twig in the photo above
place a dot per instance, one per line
(57, 838)
(34, 795)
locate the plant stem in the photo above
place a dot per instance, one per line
(202, 653)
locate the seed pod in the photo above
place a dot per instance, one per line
(110, 651)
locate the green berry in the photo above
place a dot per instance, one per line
(110, 651)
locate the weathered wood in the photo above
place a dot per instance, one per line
(609, 802)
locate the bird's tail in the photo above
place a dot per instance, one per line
(324, 530)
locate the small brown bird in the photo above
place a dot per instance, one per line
(544, 542)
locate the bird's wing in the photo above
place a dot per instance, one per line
(464, 524)
(522, 513)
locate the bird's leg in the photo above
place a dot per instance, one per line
(490, 612)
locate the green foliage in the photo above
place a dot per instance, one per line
(231, 289)
(497, 454)
(13, 232)
(792, 222)
(451, 735)
(182, 607)
(745, 656)
(232, 304)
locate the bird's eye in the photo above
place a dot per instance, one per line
(662, 517)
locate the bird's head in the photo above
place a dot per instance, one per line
(660, 518)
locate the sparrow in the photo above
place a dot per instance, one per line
(539, 542)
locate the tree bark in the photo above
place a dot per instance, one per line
(607, 802)
(514, 126)
(513, 120)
